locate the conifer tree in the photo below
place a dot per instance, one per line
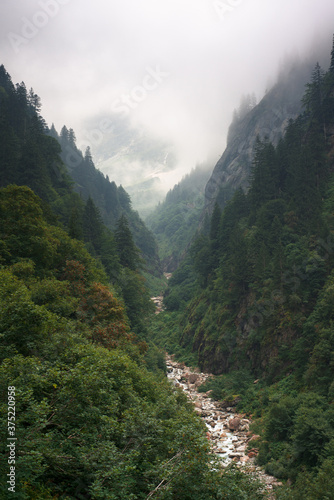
(127, 250)
(75, 229)
(214, 237)
(315, 93)
(53, 132)
(331, 67)
(64, 135)
(6, 81)
(264, 175)
(92, 225)
(34, 101)
(9, 155)
(71, 137)
(111, 197)
(19, 111)
(215, 220)
(124, 199)
(88, 157)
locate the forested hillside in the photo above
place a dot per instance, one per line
(86, 410)
(111, 200)
(260, 311)
(175, 221)
(56, 170)
(267, 119)
(91, 421)
(82, 353)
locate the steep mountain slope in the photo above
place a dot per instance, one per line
(174, 222)
(261, 310)
(31, 156)
(91, 419)
(268, 119)
(27, 155)
(112, 200)
(132, 157)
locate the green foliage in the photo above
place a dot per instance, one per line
(93, 226)
(106, 202)
(97, 423)
(317, 485)
(23, 230)
(37, 157)
(139, 306)
(55, 296)
(28, 156)
(165, 332)
(230, 386)
(91, 421)
(174, 222)
(128, 252)
(155, 285)
(90, 418)
(181, 286)
(23, 325)
(262, 307)
(155, 359)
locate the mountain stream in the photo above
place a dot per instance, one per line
(227, 431)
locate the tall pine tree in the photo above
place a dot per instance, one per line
(93, 226)
(128, 253)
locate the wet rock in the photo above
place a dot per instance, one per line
(254, 437)
(234, 424)
(253, 453)
(241, 449)
(193, 377)
(228, 432)
(244, 425)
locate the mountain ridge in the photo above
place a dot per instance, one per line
(268, 119)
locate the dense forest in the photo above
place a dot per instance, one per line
(258, 285)
(175, 221)
(250, 300)
(86, 409)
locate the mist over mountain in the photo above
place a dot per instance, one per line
(252, 299)
(174, 222)
(142, 163)
(228, 285)
(84, 59)
(147, 163)
(266, 120)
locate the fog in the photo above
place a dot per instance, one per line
(174, 70)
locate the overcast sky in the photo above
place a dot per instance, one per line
(179, 67)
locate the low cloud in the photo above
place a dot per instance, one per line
(82, 57)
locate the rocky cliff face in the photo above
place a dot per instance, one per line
(268, 119)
